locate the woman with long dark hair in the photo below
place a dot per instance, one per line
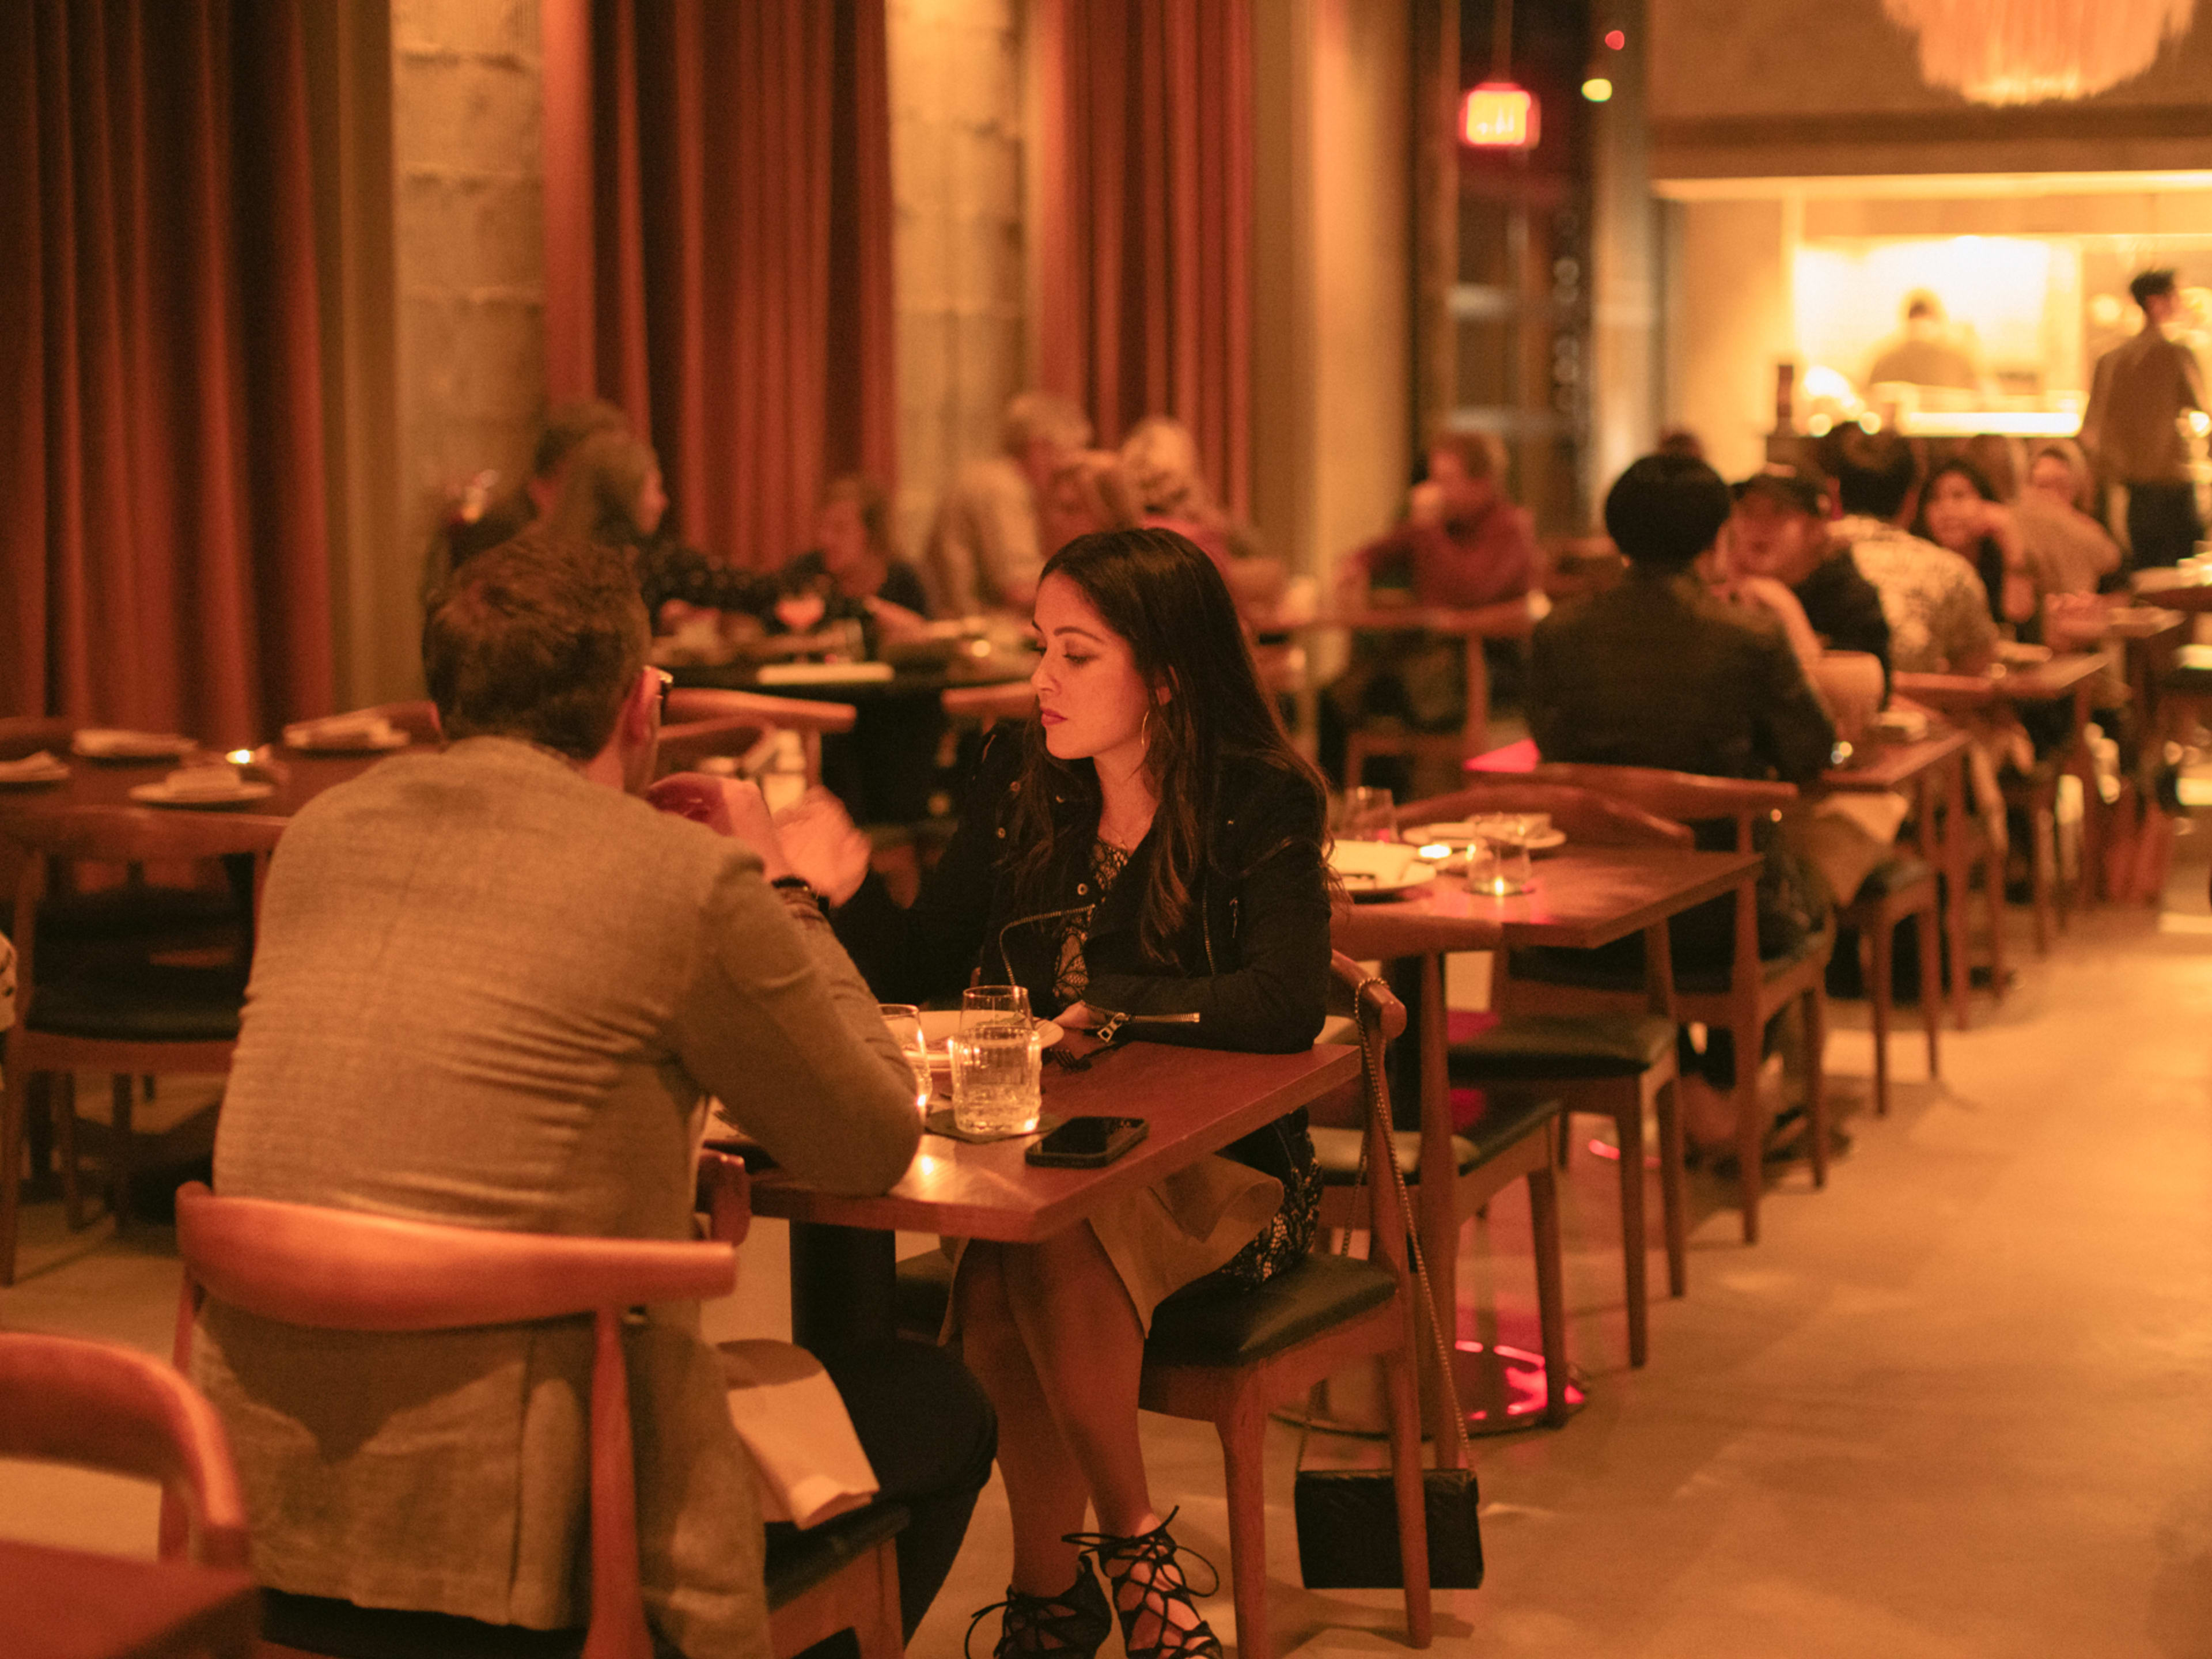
(1960, 509)
(1146, 857)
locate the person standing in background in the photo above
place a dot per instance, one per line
(986, 547)
(2131, 429)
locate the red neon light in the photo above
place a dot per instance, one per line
(1499, 115)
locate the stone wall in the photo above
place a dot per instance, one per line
(467, 98)
(956, 89)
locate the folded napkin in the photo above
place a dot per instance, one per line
(793, 1420)
(362, 731)
(108, 744)
(33, 768)
(209, 782)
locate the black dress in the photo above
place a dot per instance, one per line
(1251, 960)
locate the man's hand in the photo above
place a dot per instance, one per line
(728, 806)
(823, 847)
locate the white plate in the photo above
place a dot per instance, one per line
(1373, 869)
(1462, 834)
(940, 1025)
(22, 777)
(160, 795)
(100, 743)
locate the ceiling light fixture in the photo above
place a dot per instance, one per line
(2034, 52)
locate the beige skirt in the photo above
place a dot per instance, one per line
(1161, 1237)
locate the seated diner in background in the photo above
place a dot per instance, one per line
(1779, 531)
(1147, 851)
(1960, 510)
(2069, 551)
(494, 986)
(987, 545)
(1160, 457)
(480, 524)
(1661, 671)
(1938, 611)
(854, 572)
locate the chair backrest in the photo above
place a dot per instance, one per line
(1381, 1017)
(1686, 797)
(1587, 817)
(100, 1407)
(689, 703)
(344, 1270)
(1010, 700)
(128, 836)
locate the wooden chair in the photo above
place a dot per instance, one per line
(330, 1269)
(1740, 1000)
(1615, 1065)
(1445, 751)
(987, 705)
(21, 735)
(93, 1404)
(1899, 886)
(1231, 1355)
(130, 1020)
(700, 721)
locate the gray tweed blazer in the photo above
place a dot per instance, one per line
(490, 992)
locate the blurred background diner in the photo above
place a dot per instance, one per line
(1737, 467)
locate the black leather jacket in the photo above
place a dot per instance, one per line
(1251, 960)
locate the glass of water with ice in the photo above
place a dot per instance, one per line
(904, 1020)
(996, 1085)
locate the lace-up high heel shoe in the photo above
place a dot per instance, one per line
(1072, 1623)
(1150, 1594)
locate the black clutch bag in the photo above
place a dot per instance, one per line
(1348, 1529)
(1348, 1518)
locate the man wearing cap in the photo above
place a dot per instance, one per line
(1779, 532)
(2132, 428)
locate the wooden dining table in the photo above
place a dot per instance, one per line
(1196, 1100)
(2176, 589)
(71, 1604)
(298, 776)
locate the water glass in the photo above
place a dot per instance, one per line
(1502, 869)
(997, 1082)
(1363, 814)
(983, 1005)
(904, 1020)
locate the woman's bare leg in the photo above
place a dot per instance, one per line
(1045, 1490)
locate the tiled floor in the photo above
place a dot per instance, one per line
(1959, 1404)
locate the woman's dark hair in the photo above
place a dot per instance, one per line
(1160, 592)
(1961, 467)
(1665, 510)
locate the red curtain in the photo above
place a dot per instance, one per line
(162, 556)
(1144, 235)
(718, 248)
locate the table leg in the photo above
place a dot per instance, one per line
(1955, 858)
(842, 1280)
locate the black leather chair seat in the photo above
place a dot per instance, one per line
(798, 1561)
(1554, 964)
(148, 1003)
(1504, 1120)
(1892, 876)
(115, 914)
(2191, 669)
(1532, 1048)
(1213, 1324)
(922, 1293)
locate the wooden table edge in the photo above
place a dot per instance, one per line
(1088, 1190)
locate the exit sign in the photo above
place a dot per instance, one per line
(1499, 115)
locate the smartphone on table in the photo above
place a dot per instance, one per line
(1088, 1143)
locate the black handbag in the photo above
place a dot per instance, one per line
(1347, 1519)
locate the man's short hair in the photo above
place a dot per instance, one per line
(567, 425)
(1481, 455)
(1031, 415)
(536, 639)
(1874, 471)
(1922, 306)
(2148, 285)
(1665, 510)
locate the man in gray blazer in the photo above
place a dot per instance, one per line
(493, 987)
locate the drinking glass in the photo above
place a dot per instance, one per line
(1363, 814)
(905, 1022)
(1504, 869)
(997, 1081)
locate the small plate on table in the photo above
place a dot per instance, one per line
(1371, 869)
(166, 793)
(940, 1025)
(1463, 833)
(104, 743)
(33, 771)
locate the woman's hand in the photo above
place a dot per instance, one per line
(822, 846)
(1077, 1017)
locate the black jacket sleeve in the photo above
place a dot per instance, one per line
(927, 952)
(1268, 938)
